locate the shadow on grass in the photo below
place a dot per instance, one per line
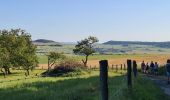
(78, 89)
(70, 89)
(13, 74)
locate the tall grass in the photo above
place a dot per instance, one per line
(83, 87)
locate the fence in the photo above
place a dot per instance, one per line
(104, 77)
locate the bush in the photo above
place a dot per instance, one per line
(66, 67)
(69, 64)
(162, 70)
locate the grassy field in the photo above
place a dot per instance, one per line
(84, 87)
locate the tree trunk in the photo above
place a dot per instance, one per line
(28, 73)
(85, 61)
(8, 70)
(48, 64)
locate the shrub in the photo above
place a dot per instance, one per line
(66, 67)
(69, 64)
(162, 70)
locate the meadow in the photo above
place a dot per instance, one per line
(83, 87)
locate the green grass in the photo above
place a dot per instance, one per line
(19, 74)
(42, 59)
(84, 87)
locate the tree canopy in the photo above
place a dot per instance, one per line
(17, 50)
(53, 57)
(85, 47)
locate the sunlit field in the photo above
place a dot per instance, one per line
(83, 87)
(116, 59)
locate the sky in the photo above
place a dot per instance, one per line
(73, 20)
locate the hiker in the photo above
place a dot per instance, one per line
(147, 68)
(156, 68)
(168, 70)
(135, 68)
(152, 67)
(143, 66)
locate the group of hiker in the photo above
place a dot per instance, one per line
(152, 68)
(146, 68)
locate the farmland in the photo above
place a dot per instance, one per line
(103, 49)
(116, 54)
(85, 86)
(115, 59)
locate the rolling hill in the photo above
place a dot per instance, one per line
(126, 43)
(45, 42)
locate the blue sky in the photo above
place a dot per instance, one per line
(72, 20)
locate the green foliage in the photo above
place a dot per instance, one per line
(85, 47)
(17, 49)
(162, 70)
(53, 57)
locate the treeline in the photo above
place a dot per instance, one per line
(126, 43)
(16, 50)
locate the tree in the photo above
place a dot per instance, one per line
(53, 57)
(28, 58)
(85, 47)
(4, 58)
(8, 48)
(17, 50)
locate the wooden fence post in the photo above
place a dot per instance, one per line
(104, 79)
(129, 70)
(116, 68)
(121, 66)
(95, 67)
(112, 67)
(124, 67)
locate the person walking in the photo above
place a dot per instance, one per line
(168, 70)
(152, 67)
(147, 68)
(143, 66)
(156, 68)
(134, 68)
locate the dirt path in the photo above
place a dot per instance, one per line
(161, 81)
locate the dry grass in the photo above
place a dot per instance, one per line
(117, 60)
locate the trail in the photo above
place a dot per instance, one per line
(162, 82)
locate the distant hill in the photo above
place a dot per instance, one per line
(126, 43)
(45, 42)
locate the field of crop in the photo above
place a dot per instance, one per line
(116, 59)
(84, 87)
